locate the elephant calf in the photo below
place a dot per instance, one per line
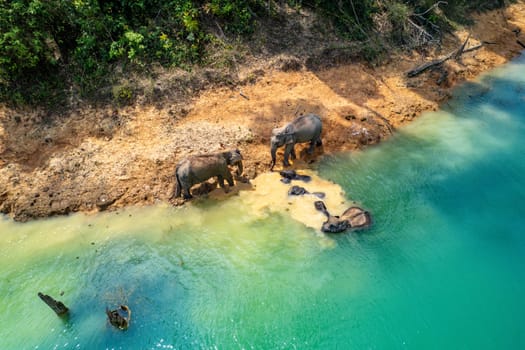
(196, 169)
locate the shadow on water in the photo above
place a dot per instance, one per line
(125, 271)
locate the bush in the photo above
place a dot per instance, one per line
(50, 45)
(87, 38)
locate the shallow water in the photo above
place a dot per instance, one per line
(442, 267)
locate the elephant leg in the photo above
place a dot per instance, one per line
(311, 148)
(220, 179)
(186, 193)
(229, 178)
(292, 154)
(287, 151)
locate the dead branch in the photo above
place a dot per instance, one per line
(456, 54)
(221, 32)
(431, 8)
(421, 30)
(461, 49)
(473, 48)
(420, 69)
(421, 16)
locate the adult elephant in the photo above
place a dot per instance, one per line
(306, 128)
(199, 168)
(352, 218)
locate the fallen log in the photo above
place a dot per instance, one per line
(456, 54)
(57, 306)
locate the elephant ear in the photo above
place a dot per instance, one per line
(289, 136)
(277, 131)
(233, 156)
(238, 153)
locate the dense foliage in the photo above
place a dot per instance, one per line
(49, 45)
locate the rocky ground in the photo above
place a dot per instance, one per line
(101, 158)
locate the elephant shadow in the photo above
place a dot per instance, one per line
(211, 188)
(304, 156)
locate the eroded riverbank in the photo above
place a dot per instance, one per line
(93, 159)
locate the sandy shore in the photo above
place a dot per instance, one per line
(94, 159)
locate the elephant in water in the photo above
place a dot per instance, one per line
(306, 128)
(289, 175)
(352, 218)
(199, 168)
(299, 191)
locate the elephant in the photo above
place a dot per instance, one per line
(352, 218)
(289, 175)
(299, 191)
(199, 168)
(306, 128)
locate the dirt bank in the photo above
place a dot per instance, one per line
(93, 159)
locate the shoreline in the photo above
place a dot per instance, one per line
(105, 159)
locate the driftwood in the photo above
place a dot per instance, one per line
(456, 54)
(57, 306)
(120, 317)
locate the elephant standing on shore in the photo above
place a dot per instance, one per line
(199, 168)
(306, 128)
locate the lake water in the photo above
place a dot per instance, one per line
(443, 266)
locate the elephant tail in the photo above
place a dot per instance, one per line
(177, 190)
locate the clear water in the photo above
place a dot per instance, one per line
(442, 267)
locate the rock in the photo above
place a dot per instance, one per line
(104, 201)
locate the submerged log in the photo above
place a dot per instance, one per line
(57, 306)
(120, 317)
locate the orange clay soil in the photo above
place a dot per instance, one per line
(99, 158)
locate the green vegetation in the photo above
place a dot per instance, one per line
(52, 46)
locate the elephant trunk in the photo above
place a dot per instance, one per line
(273, 152)
(239, 168)
(177, 189)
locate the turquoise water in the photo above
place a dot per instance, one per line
(442, 267)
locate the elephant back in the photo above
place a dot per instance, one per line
(307, 127)
(202, 167)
